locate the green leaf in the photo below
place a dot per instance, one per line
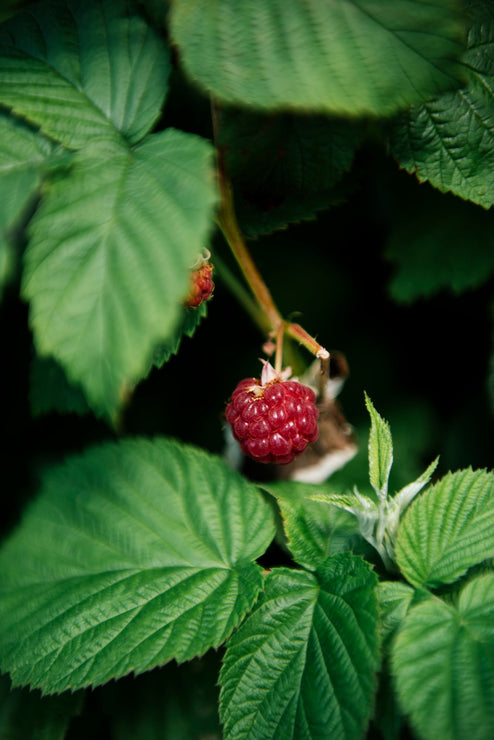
(303, 663)
(134, 554)
(171, 703)
(188, 323)
(156, 10)
(394, 601)
(285, 153)
(83, 70)
(259, 216)
(22, 155)
(313, 529)
(444, 246)
(284, 167)
(7, 265)
(347, 56)
(25, 715)
(9, 7)
(380, 451)
(49, 389)
(388, 719)
(108, 262)
(443, 661)
(448, 529)
(449, 140)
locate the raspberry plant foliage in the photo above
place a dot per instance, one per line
(191, 597)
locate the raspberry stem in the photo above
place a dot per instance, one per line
(231, 231)
(227, 221)
(279, 348)
(244, 298)
(297, 332)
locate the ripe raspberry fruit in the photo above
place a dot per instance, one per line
(273, 419)
(201, 285)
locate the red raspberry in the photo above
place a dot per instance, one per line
(273, 419)
(201, 285)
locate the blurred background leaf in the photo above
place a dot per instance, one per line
(26, 714)
(448, 140)
(171, 703)
(443, 244)
(285, 168)
(343, 57)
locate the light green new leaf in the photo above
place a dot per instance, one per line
(353, 502)
(360, 506)
(346, 56)
(403, 498)
(303, 663)
(449, 140)
(134, 554)
(443, 661)
(83, 70)
(313, 529)
(380, 451)
(25, 715)
(108, 261)
(448, 529)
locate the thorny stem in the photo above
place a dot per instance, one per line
(228, 223)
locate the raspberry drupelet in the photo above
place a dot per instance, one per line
(201, 285)
(273, 419)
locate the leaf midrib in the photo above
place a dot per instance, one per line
(100, 246)
(128, 571)
(136, 609)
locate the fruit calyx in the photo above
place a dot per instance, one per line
(268, 376)
(273, 419)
